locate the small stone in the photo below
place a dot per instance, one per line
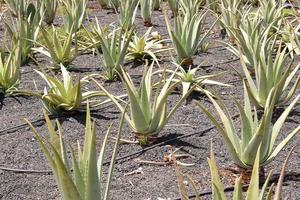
(185, 182)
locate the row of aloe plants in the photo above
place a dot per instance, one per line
(148, 112)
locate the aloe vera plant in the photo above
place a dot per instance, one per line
(147, 7)
(10, 70)
(81, 176)
(50, 7)
(148, 104)
(290, 38)
(248, 37)
(272, 73)
(191, 7)
(187, 36)
(256, 49)
(25, 31)
(128, 9)
(61, 50)
(271, 11)
(231, 14)
(114, 47)
(254, 132)
(65, 96)
(189, 78)
(253, 190)
(88, 38)
(145, 47)
(75, 14)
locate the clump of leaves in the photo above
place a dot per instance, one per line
(60, 48)
(75, 13)
(145, 47)
(128, 9)
(148, 104)
(189, 78)
(147, 7)
(187, 36)
(50, 7)
(80, 177)
(88, 38)
(25, 31)
(114, 47)
(244, 144)
(65, 96)
(10, 70)
(231, 14)
(253, 191)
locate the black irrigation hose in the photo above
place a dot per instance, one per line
(161, 144)
(222, 63)
(25, 171)
(202, 132)
(25, 124)
(95, 69)
(209, 192)
(292, 176)
(119, 158)
(273, 179)
(17, 127)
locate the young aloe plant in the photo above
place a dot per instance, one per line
(128, 9)
(64, 96)
(25, 31)
(188, 78)
(81, 177)
(253, 192)
(254, 133)
(148, 113)
(10, 70)
(271, 73)
(187, 36)
(147, 7)
(61, 50)
(271, 11)
(290, 38)
(50, 7)
(145, 47)
(114, 48)
(231, 14)
(248, 38)
(191, 7)
(88, 38)
(256, 50)
(75, 14)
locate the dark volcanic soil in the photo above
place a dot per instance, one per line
(19, 149)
